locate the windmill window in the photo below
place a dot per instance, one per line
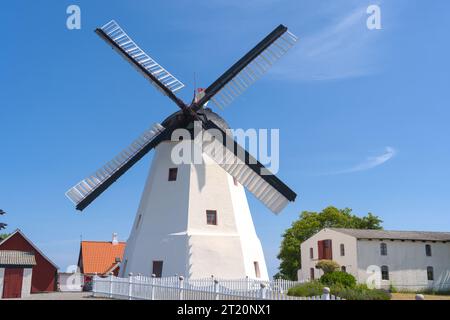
(256, 265)
(211, 217)
(236, 183)
(384, 273)
(173, 172)
(383, 249)
(430, 273)
(157, 268)
(428, 250)
(342, 250)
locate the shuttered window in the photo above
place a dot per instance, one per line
(325, 250)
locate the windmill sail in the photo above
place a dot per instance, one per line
(249, 69)
(83, 193)
(162, 79)
(247, 170)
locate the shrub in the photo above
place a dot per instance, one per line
(359, 292)
(327, 266)
(308, 289)
(338, 278)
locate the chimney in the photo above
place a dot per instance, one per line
(114, 239)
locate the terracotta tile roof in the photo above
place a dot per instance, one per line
(99, 257)
(17, 258)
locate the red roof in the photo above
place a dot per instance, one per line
(99, 256)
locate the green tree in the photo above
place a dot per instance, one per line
(309, 224)
(2, 225)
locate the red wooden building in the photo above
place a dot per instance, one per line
(44, 272)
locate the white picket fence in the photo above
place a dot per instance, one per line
(178, 288)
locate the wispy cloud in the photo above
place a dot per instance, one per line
(343, 48)
(370, 162)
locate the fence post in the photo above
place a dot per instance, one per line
(111, 285)
(247, 281)
(130, 286)
(94, 284)
(152, 296)
(326, 293)
(420, 297)
(181, 286)
(262, 291)
(216, 289)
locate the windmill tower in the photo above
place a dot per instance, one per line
(193, 218)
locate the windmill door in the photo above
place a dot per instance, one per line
(12, 283)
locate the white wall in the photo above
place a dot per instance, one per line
(407, 262)
(26, 282)
(173, 224)
(2, 273)
(70, 282)
(348, 260)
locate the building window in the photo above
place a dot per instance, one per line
(430, 273)
(428, 250)
(157, 268)
(384, 273)
(311, 253)
(383, 249)
(173, 174)
(344, 269)
(211, 217)
(311, 274)
(342, 250)
(235, 181)
(256, 265)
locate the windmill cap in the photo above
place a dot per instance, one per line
(181, 118)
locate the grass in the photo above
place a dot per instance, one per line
(412, 296)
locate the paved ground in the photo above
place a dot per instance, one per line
(412, 296)
(60, 296)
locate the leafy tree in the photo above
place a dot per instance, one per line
(2, 225)
(309, 224)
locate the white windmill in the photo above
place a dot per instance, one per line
(193, 218)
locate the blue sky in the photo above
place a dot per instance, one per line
(363, 114)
